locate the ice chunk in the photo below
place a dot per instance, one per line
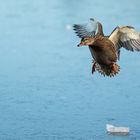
(117, 130)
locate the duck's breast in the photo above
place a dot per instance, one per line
(103, 51)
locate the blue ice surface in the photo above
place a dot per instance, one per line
(47, 91)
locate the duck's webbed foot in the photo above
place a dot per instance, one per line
(93, 66)
(114, 68)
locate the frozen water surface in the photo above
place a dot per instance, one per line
(47, 91)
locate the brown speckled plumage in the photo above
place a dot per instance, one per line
(105, 50)
(105, 56)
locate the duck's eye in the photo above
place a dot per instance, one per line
(85, 39)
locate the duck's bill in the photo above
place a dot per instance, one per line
(80, 44)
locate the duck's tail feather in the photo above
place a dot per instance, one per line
(107, 70)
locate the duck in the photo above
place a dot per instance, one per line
(105, 49)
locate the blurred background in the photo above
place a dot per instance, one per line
(47, 91)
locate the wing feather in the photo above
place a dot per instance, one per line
(126, 37)
(86, 30)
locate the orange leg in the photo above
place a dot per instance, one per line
(113, 67)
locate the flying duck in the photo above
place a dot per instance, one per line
(105, 50)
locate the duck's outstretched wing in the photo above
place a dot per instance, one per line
(86, 30)
(126, 37)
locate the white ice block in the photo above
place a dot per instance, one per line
(120, 130)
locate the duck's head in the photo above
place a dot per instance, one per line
(86, 41)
